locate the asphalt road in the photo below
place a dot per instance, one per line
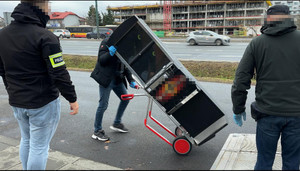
(139, 149)
(180, 50)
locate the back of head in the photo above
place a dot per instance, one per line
(278, 10)
(278, 21)
(32, 11)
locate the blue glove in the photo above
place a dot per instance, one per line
(238, 118)
(112, 50)
(133, 84)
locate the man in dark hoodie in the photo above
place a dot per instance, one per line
(111, 75)
(275, 58)
(34, 73)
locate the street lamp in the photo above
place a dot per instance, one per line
(97, 19)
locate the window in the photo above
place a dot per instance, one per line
(197, 33)
(206, 33)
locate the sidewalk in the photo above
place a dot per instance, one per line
(9, 159)
(239, 153)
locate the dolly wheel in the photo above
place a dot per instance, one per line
(182, 146)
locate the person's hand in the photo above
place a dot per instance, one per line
(112, 50)
(74, 107)
(133, 84)
(238, 118)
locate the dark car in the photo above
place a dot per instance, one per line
(103, 33)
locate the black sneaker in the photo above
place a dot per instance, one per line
(119, 127)
(100, 135)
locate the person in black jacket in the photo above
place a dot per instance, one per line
(111, 74)
(34, 73)
(275, 58)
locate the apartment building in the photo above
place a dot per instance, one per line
(223, 17)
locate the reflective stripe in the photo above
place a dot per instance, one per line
(56, 60)
(56, 55)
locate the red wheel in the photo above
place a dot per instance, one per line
(182, 146)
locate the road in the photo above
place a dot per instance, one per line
(139, 149)
(180, 50)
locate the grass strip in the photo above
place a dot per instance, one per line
(222, 72)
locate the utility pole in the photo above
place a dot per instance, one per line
(97, 19)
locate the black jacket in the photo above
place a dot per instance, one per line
(109, 67)
(31, 63)
(275, 57)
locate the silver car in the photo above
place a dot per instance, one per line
(62, 33)
(207, 37)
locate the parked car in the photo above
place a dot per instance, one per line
(207, 37)
(61, 33)
(103, 33)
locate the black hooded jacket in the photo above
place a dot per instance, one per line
(275, 57)
(31, 62)
(109, 67)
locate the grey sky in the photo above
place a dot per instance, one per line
(81, 8)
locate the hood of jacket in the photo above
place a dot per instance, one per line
(278, 28)
(27, 13)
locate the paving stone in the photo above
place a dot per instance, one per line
(3, 146)
(55, 164)
(94, 165)
(9, 141)
(9, 158)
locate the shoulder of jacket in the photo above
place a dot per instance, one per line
(49, 37)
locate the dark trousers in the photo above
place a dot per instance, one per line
(268, 131)
(104, 93)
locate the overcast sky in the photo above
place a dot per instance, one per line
(81, 8)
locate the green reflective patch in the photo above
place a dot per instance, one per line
(56, 60)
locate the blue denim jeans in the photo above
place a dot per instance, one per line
(37, 129)
(268, 131)
(119, 90)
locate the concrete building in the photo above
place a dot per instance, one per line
(223, 17)
(2, 23)
(7, 18)
(64, 19)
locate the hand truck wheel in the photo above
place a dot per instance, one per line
(182, 146)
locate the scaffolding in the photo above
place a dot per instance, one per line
(184, 16)
(167, 15)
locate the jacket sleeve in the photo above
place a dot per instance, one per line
(52, 55)
(128, 75)
(2, 73)
(103, 55)
(242, 81)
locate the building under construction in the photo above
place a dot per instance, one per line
(223, 17)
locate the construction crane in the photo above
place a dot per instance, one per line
(167, 14)
(269, 2)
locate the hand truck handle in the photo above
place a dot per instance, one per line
(127, 96)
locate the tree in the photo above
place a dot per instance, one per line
(108, 18)
(91, 19)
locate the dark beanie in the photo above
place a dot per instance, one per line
(278, 9)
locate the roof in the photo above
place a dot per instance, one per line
(61, 15)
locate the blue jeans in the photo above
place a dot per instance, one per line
(37, 129)
(268, 131)
(119, 90)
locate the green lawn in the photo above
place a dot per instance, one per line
(205, 71)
